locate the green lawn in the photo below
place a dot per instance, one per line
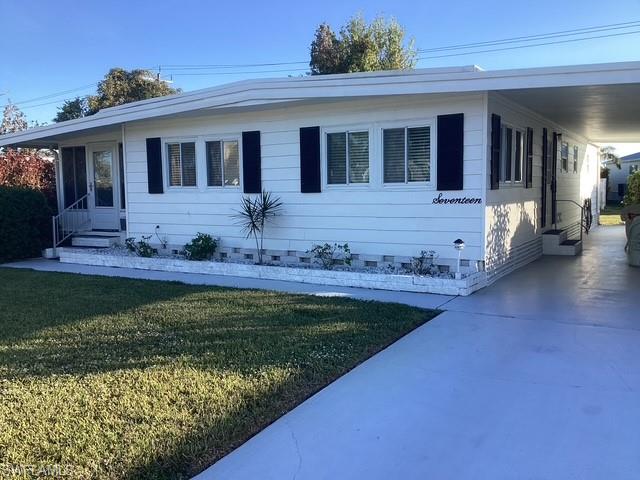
(115, 378)
(611, 215)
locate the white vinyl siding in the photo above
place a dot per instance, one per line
(223, 163)
(347, 157)
(181, 159)
(406, 154)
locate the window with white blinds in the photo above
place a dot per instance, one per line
(182, 164)
(406, 154)
(347, 158)
(223, 163)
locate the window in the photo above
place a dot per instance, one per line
(633, 169)
(406, 154)
(575, 159)
(74, 174)
(223, 163)
(182, 164)
(347, 158)
(511, 155)
(564, 157)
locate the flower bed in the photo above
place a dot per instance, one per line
(381, 281)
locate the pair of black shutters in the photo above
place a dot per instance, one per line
(450, 155)
(450, 158)
(496, 151)
(251, 163)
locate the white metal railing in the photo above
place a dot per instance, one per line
(71, 220)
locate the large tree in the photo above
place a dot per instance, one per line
(361, 47)
(13, 120)
(76, 108)
(121, 86)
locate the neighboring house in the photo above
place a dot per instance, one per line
(391, 162)
(618, 176)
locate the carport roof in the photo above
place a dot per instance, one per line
(600, 101)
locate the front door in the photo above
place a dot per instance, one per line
(103, 187)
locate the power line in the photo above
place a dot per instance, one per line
(241, 73)
(199, 66)
(542, 36)
(528, 46)
(56, 94)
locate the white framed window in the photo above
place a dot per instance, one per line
(633, 169)
(564, 157)
(512, 153)
(181, 163)
(223, 163)
(347, 157)
(406, 155)
(575, 159)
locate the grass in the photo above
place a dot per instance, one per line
(122, 379)
(610, 215)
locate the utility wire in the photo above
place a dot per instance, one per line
(542, 36)
(196, 69)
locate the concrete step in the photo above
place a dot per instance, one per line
(94, 241)
(568, 248)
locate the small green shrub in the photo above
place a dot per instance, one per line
(329, 255)
(142, 248)
(632, 196)
(424, 263)
(25, 223)
(202, 247)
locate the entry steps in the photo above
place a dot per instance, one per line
(96, 239)
(555, 242)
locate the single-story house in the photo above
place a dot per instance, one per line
(391, 162)
(618, 177)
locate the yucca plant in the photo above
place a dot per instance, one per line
(254, 213)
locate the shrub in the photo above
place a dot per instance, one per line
(142, 248)
(202, 247)
(25, 223)
(253, 215)
(22, 169)
(328, 255)
(632, 196)
(424, 263)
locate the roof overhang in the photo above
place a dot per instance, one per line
(597, 101)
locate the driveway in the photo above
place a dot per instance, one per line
(535, 377)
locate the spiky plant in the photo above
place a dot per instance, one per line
(254, 213)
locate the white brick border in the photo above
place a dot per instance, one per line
(381, 281)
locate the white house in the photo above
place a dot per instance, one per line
(618, 177)
(391, 162)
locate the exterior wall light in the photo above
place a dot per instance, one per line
(459, 246)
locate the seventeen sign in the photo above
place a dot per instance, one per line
(458, 200)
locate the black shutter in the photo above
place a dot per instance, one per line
(496, 124)
(310, 160)
(529, 160)
(251, 162)
(554, 178)
(154, 165)
(545, 167)
(450, 156)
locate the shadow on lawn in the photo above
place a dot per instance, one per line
(75, 326)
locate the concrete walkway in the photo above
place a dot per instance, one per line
(535, 377)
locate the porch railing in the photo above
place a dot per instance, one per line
(71, 220)
(584, 225)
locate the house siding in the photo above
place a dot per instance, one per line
(513, 213)
(374, 220)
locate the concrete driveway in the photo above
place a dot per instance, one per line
(535, 377)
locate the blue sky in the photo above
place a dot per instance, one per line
(61, 45)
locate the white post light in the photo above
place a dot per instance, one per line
(459, 246)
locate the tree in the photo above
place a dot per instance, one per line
(29, 169)
(608, 155)
(76, 108)
(13, 120)
(121, 86)
(632, 197)
(361, 47)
